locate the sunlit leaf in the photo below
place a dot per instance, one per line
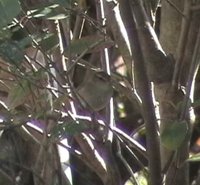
(56, 16)
(8, 10)
(174, 134)
(194, 158)
(88, 44)
(140, 177)
(42, 11)
(51, 12)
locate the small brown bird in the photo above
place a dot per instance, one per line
(96, 90)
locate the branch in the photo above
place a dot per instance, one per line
(144, 89)
(186, 20)
(191, 78)
(159, 66)
(187, 99)
(94, 161)
(115, 22)
(125, 163)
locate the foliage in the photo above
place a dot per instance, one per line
(76, 79)
(173, 136)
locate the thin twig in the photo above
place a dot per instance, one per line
(119, 154)
(176, 8)
(35, 43)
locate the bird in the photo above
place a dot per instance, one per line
(96, 90)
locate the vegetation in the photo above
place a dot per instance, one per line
(99, 92)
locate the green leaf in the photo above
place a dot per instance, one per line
(18, 94)
(25, 42)
(69, 128)
(174, 134)
(11, 52)
(48, 41)
(5, 34)
(88, 44)
(18, 33)
(24, 87)
(8, 10)
(20, 36)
